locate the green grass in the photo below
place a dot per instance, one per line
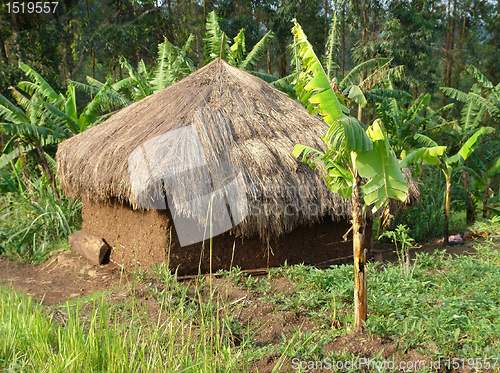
(111, 337)
(445, 307)
(33, 224)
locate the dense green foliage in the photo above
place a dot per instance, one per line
(373, 77)
(33, 220)
(415, 81)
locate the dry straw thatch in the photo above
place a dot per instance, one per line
(239, 119)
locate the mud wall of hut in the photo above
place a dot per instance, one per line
(140, 238)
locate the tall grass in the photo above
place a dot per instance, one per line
(33, 219)
(119, 337)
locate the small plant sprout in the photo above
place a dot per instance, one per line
(403, 243)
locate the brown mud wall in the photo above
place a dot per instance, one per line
(140, 238)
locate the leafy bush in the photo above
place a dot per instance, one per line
(425, 219)
(32, 222)
(434, 260)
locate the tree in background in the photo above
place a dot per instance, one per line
(448, 165)
(44, 117)
(409, 37)
(482, 99)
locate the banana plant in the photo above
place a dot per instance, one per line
(352, 154)
(482, 178)
(447, 164)
(29, 127)
(45, 118)
(111, 98)
(218, 45)
(484, 97)
(38, 85)
(66, 112)
(63, 109)
(403, 123)
(172, 65)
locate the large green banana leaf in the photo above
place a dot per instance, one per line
(380, 165)
(143, 87)
(430, 155)
(238, 47)
(469, 146)
(495, 168)
(313, 87)
(314, 90)
(257, 52)
(41, 87)
(216, 40)
(337, 176)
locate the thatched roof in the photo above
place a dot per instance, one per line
(239, 120)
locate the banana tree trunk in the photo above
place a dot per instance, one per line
(383, 221)
(26, 177)
(358, 226)
(447, 212)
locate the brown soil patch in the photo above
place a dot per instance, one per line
(388, 253)
(65, 275)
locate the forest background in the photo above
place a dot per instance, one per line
(429, 69)
(433, 40)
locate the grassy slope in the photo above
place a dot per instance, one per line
(446, 307)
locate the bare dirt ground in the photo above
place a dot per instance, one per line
(66, 275)
(63, 276)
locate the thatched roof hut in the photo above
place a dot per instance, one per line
(239, 120)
